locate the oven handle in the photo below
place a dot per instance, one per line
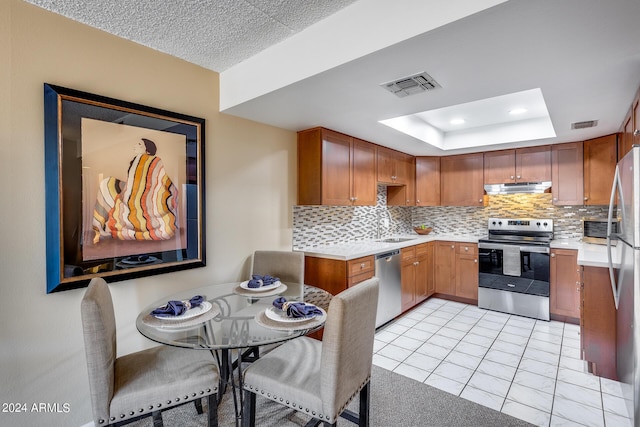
(530, 249)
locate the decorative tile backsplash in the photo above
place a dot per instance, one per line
(322, 225)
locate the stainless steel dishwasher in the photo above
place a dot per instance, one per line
(390, 294)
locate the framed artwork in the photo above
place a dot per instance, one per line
(124, 189)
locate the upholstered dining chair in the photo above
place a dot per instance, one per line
(320, 378)
(287, 265)
(127, 388)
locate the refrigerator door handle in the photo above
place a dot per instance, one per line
(616, 186)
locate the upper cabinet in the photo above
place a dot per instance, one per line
(394, 167)
(335, 169)
(567, 174)
(397, 171)
(600, 158)
(532, 164)
(461, 180)
(427, 181)
(630, 132)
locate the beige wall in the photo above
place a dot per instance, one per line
(250, 186)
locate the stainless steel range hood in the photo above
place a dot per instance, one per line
(521, 187)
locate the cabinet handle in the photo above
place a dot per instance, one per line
(362, 266)
(511, 177)
(480, 201)
(418, 201)
(555, 199)
(518, 177)
(636, 132)
(453, 246)
(553, 255)
(466, 248)
(586, 198)
(475, 260)
(416, 263)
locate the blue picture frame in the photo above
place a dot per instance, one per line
(124, 189)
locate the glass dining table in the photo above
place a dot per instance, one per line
(234, 318)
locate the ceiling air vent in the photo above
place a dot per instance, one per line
(411, 85)
(584, 125)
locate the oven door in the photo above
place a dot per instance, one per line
(514, 268)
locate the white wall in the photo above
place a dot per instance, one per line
(250, 186)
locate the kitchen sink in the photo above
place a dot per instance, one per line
(396, 239)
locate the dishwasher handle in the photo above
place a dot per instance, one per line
(388, 254)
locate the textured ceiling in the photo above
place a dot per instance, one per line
(215, 34)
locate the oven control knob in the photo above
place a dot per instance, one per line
(538, 224)
(545, 224)
(499, 222)
(494, 223)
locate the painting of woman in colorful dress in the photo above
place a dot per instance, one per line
(141, 207)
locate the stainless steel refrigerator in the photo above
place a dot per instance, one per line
(625, 279)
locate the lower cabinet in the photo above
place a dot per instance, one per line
(456, 269)
(598, 322)
(564, 284)
(416, 274)
(334, 276)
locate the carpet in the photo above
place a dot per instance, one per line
(395, 401)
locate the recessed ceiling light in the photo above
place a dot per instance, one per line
(457, 121)
(517, 111)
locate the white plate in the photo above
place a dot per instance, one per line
(245, 285)
(192, 312)
(281, 316)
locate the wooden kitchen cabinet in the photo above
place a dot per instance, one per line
(334, 276)
(417, 274)
(598, 322)
(393, 166)
(567, 174)
(445, 268)
(564, 284)
(600, 159)
(456, 269)
(405, 193)
(531, 164)
(461, 180)
(427, 181)
(335, 169)
(467, 270)
(630, 133)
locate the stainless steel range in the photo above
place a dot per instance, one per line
(514, 267)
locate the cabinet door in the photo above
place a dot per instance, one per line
(336, 162)
(567, 174)
(422, 273)
(431, 284)
(467, 271)
(427, 181)
(408, 278)
(386, 165)
(600, 158)
(626, 136)
(462, 180)
(409, 179)
(363, 173)
(533, 164)
(499, 167)
(445, 268)
(598, 322)
(564, 283)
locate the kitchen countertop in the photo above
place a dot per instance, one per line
(361, 248)
(588, 254)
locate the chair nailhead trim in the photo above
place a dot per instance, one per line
(150, 407)
(101, 421)
(208, 390)
(112, 418)
(186, 397)
(131, 413)
(121, 415)
(141, 409)
(177, 399)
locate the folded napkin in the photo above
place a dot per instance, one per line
(296, 309)
(176, 308)
(257, 281)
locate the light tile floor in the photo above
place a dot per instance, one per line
(529, 369)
